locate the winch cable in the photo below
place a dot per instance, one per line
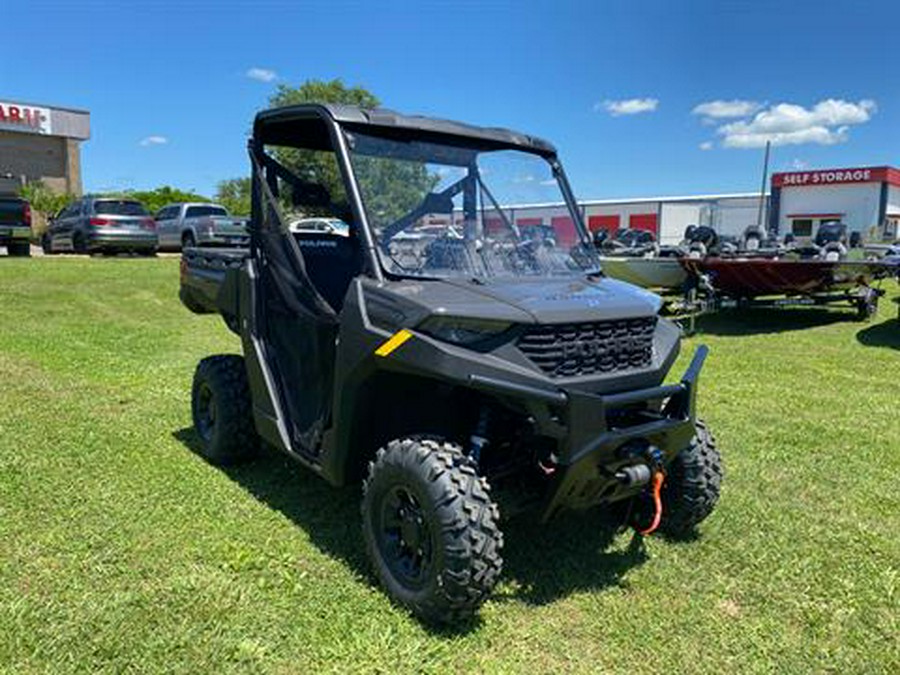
(655, 489)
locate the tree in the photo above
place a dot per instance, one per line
(390, 188)
(154, 200)
(234, 195)
(45, 203)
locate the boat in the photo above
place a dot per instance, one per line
(635, 257)
(756, 277)
(651, 272)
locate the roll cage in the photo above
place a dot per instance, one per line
(322, 127)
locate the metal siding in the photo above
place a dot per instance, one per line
(859, 202)
(70, 124)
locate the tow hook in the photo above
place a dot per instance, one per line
(659, 475)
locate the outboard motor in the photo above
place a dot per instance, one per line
(703, 242)
(831, 240)
(599, 238)
(752, 239)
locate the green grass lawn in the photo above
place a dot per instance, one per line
(122, 551)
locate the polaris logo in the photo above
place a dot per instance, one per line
(317, 243)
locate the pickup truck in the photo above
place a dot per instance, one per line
(15, 226)
(189, 224)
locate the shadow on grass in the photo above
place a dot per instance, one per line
(545, 561)
(884, 334)
(549, 561)
(760, 321)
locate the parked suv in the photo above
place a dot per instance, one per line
(191, 224)
(102, 225)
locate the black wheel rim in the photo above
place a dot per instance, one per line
(404, 537)
(205, 413)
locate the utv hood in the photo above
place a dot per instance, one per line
(531, 301)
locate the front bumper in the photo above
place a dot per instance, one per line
(599, 434)
(14, 233)
(108, 238)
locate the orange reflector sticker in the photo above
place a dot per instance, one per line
(393, 342)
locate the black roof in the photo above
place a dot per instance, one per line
(383, 120)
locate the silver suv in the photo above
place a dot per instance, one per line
(102, 225)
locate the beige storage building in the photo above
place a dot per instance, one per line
(42, 142)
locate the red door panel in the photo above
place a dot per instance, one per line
(565, 230)
(608, 223)
(644, 221)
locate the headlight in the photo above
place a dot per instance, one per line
(462, 331)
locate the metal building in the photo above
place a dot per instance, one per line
(866, 199)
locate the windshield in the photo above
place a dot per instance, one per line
(119, 207)
(442, 210)
(198, 211)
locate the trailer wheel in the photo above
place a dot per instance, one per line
(430, 529)
(221, 408)
(867, 305)
(692, 484)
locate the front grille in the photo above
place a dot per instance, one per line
(572, 349)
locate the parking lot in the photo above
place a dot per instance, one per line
(121, 550)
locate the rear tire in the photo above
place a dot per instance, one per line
(692, 484)
(430, 529)
(221, 407)
(79, 245)
(47, 245)
(19, 249)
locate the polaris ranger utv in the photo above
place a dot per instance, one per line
(438, 355)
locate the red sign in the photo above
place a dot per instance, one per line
(875, 174)
(24, 118)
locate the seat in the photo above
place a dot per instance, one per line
(332, 261)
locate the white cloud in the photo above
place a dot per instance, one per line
(826, 123)
(261, 74)
(154, 140)
(799, 165)
(630, 106)
(723, 109)
(706, 145)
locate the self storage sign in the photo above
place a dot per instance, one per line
(27, 118)
(828, 177)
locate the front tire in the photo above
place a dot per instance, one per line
(430, 529)
(221, 407)
(692, 485)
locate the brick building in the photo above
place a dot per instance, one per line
(40, 142)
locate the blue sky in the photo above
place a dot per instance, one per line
(615, 85)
